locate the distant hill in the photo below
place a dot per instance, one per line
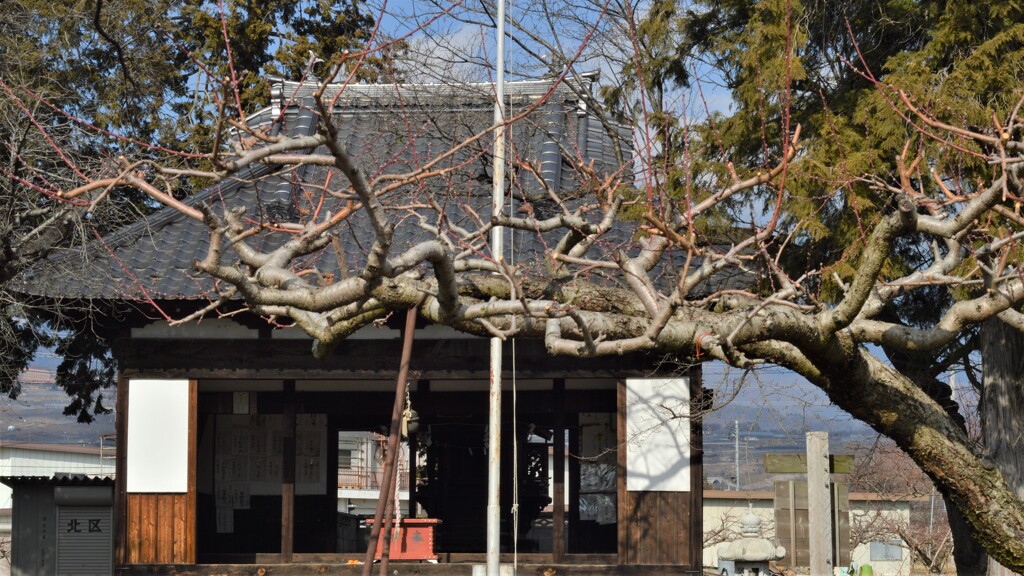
(775, 410)
(37, 415)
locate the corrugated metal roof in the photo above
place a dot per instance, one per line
(57, 480)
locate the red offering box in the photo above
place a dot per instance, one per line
(414, 539)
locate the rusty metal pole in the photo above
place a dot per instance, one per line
(389, 514)
(391, 459)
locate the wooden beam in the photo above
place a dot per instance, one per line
(622, 497)
(147, 527)
(180, 535)
(408, 569)
(797, 463)
(437, 359)
(193, 455)
(330, 537)
(164, 528)
(121, 475)
(574, 483)
(288, 474)
(413, 450)
(558, 473)
(422, 390)
(699, 405)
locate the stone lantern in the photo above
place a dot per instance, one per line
(749, 555)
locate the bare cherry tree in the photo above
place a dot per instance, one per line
(885, 470)
(726, 529)
(642, 251)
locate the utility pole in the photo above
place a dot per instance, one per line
(497, 253)
(931, 521)
(819, 504)
(736, 437)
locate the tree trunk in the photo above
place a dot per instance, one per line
(1002, 406)
(968, 555)
(875, 392)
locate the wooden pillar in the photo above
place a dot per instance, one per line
(155, 515)
(188, 547)
(819, 504)
(701, 401)
(622, 497)
(422, 389)
(288, 474)
(121, 475)
(574, 483)
(330, 539)
(558, 472)
(413, 448)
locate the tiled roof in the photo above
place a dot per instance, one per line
(388, 129)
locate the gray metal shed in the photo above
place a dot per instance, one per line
(61, 525)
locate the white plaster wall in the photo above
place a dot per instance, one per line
(885, 511)
(722, 508)
(719, 511)
(862, 555)
(157, 443)
(658, 434)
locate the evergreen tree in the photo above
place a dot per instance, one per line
(847, 73)
(83, 82)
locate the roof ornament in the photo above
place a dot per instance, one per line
(281, 212)
(309, 75)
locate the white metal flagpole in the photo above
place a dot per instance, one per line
(497, 252)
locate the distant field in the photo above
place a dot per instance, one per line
(37, 415)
